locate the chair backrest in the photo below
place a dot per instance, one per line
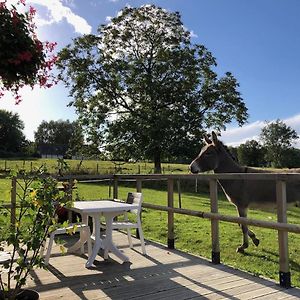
(135, 198)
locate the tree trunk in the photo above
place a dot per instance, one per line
(157, 162)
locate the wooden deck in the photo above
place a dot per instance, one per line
(162, 274)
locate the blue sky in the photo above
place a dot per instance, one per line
(258, 41)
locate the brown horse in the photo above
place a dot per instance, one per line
(215, 156)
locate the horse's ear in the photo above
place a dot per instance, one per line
(214, 138)
(207, 140)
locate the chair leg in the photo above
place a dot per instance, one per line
(141, 237)
(42, 250)
(50, 244)
(129, 238)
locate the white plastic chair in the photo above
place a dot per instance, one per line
(84, 229)
(132, 198)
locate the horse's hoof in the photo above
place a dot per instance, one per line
(240, 250)
(256, 242)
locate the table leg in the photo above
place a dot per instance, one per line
(98, 242)
(83, 236)
(108, 243)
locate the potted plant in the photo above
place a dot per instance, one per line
(24, 59)
(37, 200)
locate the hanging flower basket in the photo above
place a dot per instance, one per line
(24, 59)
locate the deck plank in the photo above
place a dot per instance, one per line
(161, 274)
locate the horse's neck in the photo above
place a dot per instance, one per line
(227, 164)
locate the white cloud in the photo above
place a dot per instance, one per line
(108, 18)
(58, 12)
(193, 34)
(239, 135)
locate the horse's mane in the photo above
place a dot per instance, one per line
(233, 156)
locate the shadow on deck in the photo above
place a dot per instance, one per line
(161, 274)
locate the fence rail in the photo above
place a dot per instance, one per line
(281, 225)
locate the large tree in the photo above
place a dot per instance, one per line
(59, 137)
(142, 87)
(12, 139)
(277, 138)
(251, 153)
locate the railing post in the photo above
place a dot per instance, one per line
(115, 188)
(284, 273)
(139, 185)
(215, 244)
(179, 193)
(109, 188)
(13, 201)
(171, 243)
(139, 190)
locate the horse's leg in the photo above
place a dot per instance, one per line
(253, 237)
(243, 213)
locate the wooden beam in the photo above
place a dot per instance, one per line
(231, 219)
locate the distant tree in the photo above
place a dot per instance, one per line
(277, 138)
(144, 90)
(58, 137)
(251, 153)
(291, 158)
(76, 141)
(12, 139)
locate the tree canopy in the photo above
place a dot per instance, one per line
(143, 90)
(277, 138)
(251, 154)
(59, 137)
(12, 139)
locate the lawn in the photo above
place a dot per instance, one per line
(89, 166)
(192, 234)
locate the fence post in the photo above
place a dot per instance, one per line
(179, 193)
(171, 243)
(109, 189)
(139, 185)
(284, 273)
(139, 190)
(215, 243)
(115, 188)
(13, 201)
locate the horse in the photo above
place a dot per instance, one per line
(215, 156)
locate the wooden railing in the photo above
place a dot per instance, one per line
(281, 225)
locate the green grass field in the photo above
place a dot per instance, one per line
(90, 166)
(192, 234)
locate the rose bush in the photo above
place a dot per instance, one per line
(24, 59)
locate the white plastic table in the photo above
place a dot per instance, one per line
(96, 209)
(4, 257)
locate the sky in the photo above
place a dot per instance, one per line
(258, 41)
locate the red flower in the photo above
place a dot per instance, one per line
(24, 59)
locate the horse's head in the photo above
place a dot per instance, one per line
(208, 158)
